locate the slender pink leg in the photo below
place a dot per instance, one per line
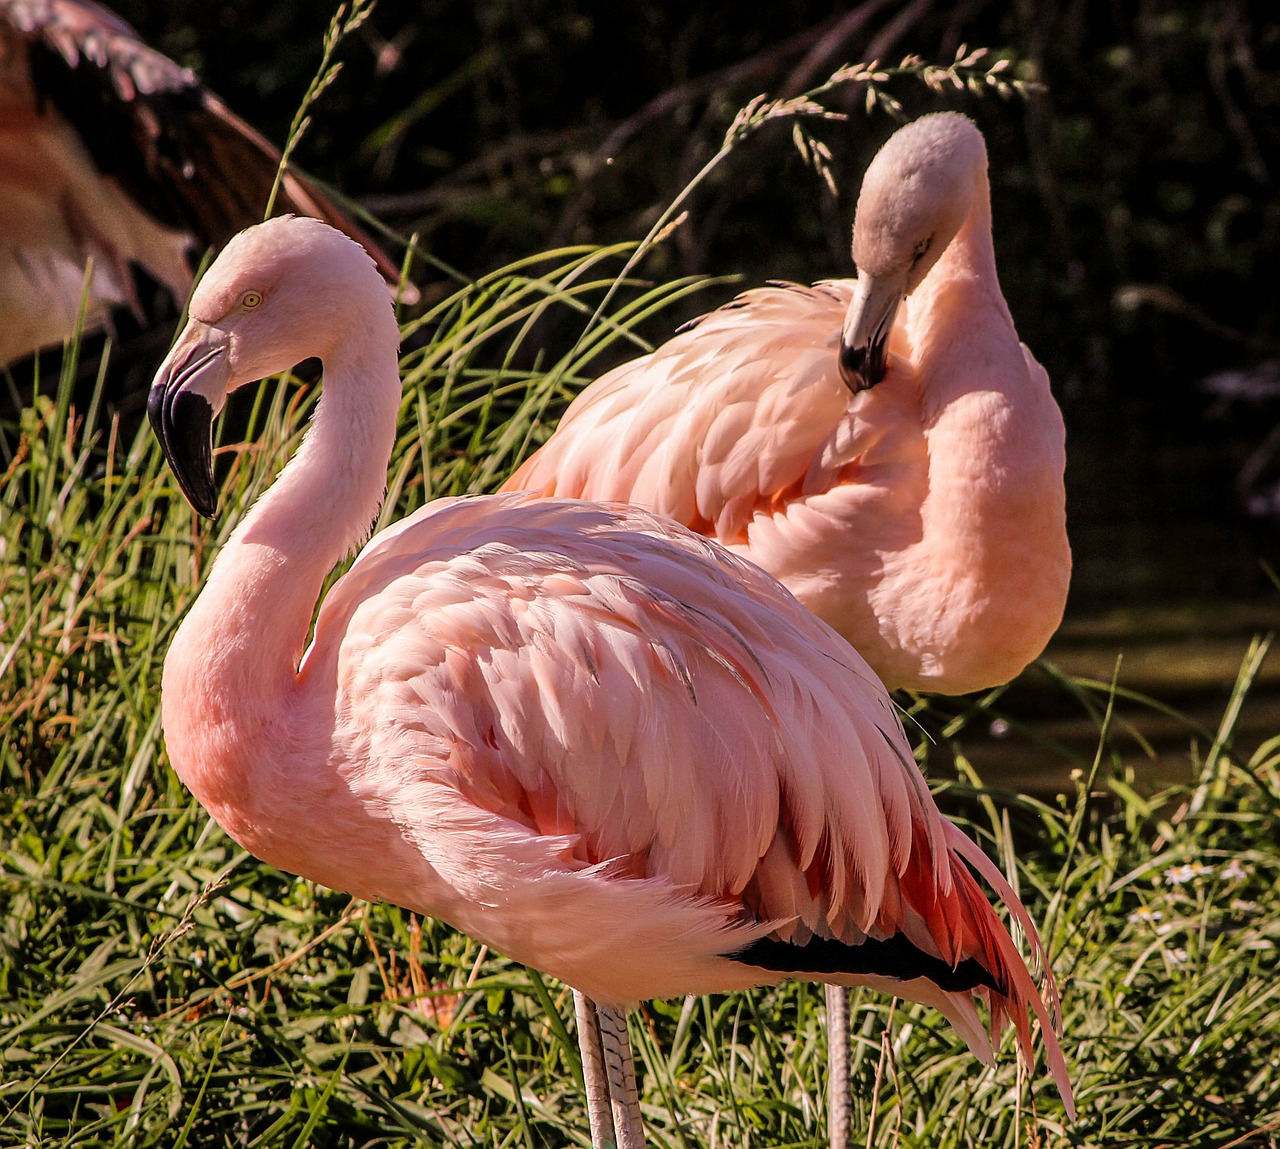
(838, 1115)
(597, 1085)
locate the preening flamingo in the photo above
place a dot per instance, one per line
(919, 509)
(112, 152)
(589, 738)
(897, 465)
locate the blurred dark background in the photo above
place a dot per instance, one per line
(1137, 220)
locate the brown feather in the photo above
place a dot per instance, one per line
(139, 165)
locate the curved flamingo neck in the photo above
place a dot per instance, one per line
(322, 505)
(230, 693)
(993, 532)
(959, 302)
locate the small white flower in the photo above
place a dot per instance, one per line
(1145, 916)
(1176, 957)
(1243, 905)
(1181, 875)
(999, 728)
(1233, 871)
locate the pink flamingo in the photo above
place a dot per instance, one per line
(593, 740)
(925, 520)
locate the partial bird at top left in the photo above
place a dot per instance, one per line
(111, 152)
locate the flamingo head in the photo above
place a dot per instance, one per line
(914, 199)
(280, 292)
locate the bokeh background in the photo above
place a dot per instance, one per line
(159, 987)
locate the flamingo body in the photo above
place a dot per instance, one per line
(924, 519)
(584, 735)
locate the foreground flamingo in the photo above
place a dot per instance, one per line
(112, 153)
(924, 519)
(587, 737)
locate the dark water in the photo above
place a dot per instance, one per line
(1185, 662)
(1173, 537)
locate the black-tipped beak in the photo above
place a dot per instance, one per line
(864, 341)
(862, 367)
(185, 397)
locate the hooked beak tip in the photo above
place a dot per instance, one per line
(182, 418)
(862, 367)
(205, 507)
(864, 342)
(183, 422)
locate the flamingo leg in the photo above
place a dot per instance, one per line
(593, 1075)
(838, 1108)
(621, 1068)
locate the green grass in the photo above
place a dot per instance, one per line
(159, 987)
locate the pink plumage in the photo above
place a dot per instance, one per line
(582, 734)
(922, 517)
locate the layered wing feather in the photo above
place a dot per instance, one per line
(923, 519)
(112, 151)
(739, 414)
(604, 673)
(650, 713)
(742, 429)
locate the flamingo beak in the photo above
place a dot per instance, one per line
(187, 394)
(865, 338)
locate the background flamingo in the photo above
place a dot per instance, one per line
(925, 520)
(585, 736)
(920, 510)
(112, 152)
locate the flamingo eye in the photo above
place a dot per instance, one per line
(251, 299)
(920, 250)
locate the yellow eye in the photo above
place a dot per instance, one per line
(250, 299)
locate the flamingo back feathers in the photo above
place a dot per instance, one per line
(923, 519)
(733, 413)
(647, 713)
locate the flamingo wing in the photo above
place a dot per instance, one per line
(112, 151)
(620, 704)
(608, 675)
(739, 414)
